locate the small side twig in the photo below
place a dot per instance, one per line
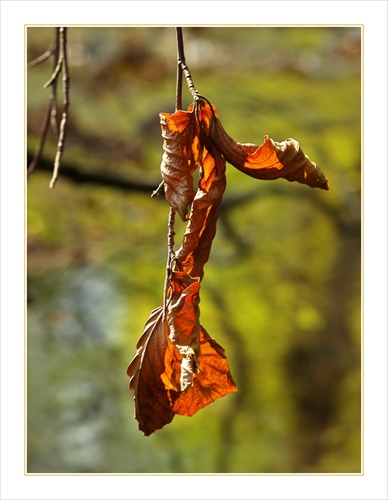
(43, 57)
(158, 190)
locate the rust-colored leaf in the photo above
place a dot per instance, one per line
(180, 158)
(197, 372)
(271, 160)
(211, 381)
(178, 368)
(152, 405)
(183, 331)
(201, 228)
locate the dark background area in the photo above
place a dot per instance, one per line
(282, 288)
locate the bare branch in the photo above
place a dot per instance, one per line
(51, 112)
(59, 53)
(63, 127)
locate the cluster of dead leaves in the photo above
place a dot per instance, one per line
(178, 367)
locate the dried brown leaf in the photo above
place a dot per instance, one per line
(152, 405)
(197, 371)
(201, 228)
(272, 160)
(180, 158)
(178, 368)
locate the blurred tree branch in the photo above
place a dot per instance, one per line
(77, 175)
(60, 65)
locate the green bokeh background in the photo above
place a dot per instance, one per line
(282, 288)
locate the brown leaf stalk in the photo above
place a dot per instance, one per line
(182, 64)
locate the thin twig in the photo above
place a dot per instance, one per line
(53, 89)
(170, 258)
(42, 140)
(182, 64)
(43, 57)
(158, 190)
(58, 66)
(63, 127)
(178, 96)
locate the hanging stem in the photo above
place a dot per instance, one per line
(182, 69)
(183, 66)
(171, 217)
(178, 98)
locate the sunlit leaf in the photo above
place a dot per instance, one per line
(272, 160)
(152, 406)
(180, 158)
(178, 367)
(201, 228)
(211, 381)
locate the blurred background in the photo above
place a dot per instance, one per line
(282, 288)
